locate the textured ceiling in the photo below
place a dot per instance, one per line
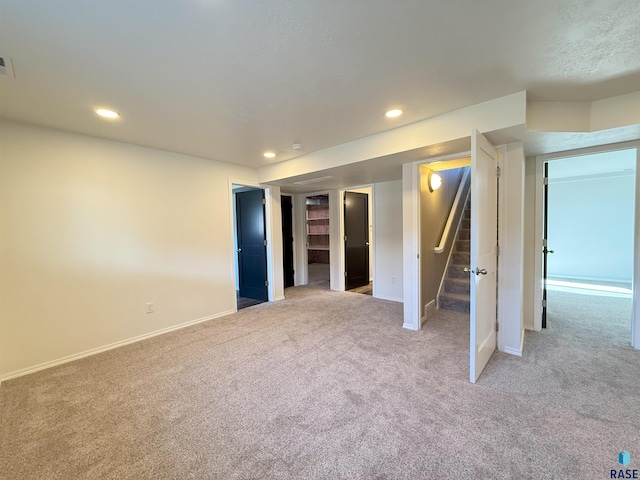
(228, 79)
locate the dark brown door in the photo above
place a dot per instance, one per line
(545, 250)
(356, 242)
(287, 240)
(252, 251)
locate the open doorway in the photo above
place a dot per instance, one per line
(318, 245)
(445, 218)
(588, 244)
(288, 258)
(486, 305)
(250, 245)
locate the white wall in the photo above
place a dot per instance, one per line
(336, 259)
(387, 228)
(591, 227)
(275, 255)
(91, 230)
(411, 246)
(511, 257)
(300, 239)
(529, 242)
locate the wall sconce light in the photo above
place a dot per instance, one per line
(435, 181)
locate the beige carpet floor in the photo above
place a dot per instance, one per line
(327, 385)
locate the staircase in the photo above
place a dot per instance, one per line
(456, 286)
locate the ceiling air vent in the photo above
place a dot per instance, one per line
(6, 67)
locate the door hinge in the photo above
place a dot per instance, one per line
(265, 243)
(266, 283)
(544, 242)
(498, 171)
(545, 181)
(264, 201)
(544, 304)
(345, 238)
(345, 274)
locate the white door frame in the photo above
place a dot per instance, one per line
(300, 231)
(273, 229)
(342, 264)
(539, 212)
(301, 252)
(510, 264)
(411, 279)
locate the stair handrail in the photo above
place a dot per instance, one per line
(452, 212)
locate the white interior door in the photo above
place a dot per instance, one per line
(484, 229)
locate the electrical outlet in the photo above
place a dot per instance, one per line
(149, 307)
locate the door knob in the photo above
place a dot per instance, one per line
(544, 250)
(239, 250)
(477, 271)
(366, 243)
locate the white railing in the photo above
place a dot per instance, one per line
(452, 213)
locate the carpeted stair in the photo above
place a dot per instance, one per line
(455, 292)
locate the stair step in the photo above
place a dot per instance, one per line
(463, 246)
(455, 302)
(457, 271)
(457, 285)
(461, 258)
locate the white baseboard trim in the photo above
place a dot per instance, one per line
(408, 326)
(277, 299)
(391, 299)
(589, 279)
(513, 351)
(422, 320)
(516, 351)
(111, 346)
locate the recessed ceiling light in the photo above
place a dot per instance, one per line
(393, 113)
(103, 112)
(269, 155)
